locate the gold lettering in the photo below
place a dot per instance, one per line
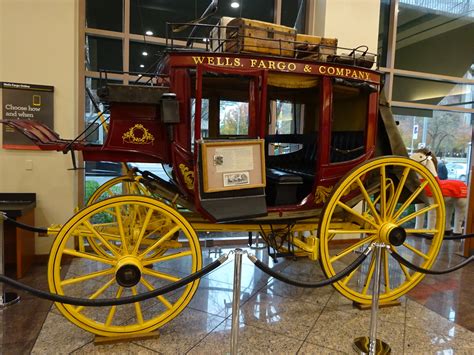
(261, 64)
(281, 65)
(354, 74)
(340, 71)
(322, 69)
(366, 76)
(331, 70)
(291, 66)
(219, 62)
(348, 72)
(271, 65)
(360, 74)
(227, 61)
(253, 63)
(237, 62)
(210, 61)
(198, 60)
(307, 68)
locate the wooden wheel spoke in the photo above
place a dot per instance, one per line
(351, 231)
(417, 213)
(346, 280)
(161, 275)
(162, 299)
(368, 200)
(138, 309)
(423, 231)
(89, 226)
(351, 248)
(121, 231)
(166, 258)
(142, 231)
(403, 267)
(398, 192)
(97, 293)
(355, 213)
(410, 200)
(161, 226)
(416, 251)
(86, 277)
(88, 256)
(386, 270)
(368, 278)
(111, 314)
(160, 241)
(383, 193)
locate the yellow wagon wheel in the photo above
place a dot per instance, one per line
(121, 185)
(129, 184)
(129, 267)
(385, 214)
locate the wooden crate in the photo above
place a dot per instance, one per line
(307, 45)
(218, 34)
(245, 35)
(315, 47)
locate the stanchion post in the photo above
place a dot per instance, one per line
(236, 302)
(371, 345)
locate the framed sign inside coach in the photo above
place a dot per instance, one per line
(231, 165)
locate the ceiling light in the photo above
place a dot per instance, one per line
(145, 53)
(205, 40)
(142, 65)
(234, 4)
(139, 75)
(149, 33)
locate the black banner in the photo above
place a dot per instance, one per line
(25, 102)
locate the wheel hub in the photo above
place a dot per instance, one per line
(128, 272)
(390, 233)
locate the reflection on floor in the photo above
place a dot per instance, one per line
(437, 316)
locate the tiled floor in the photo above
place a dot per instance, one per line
(436, 317)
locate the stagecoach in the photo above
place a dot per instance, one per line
(286, 137)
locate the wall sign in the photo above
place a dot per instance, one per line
(25, 102)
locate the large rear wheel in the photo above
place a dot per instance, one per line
(139, 252)
(374, 203)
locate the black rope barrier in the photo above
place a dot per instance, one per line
(346, 271)
(114, 301)
(449, 237)
(27, 227)
(417, 268)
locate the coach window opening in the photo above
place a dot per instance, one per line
(349, 121)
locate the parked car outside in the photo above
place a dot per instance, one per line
(457, 171)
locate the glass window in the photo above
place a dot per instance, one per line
(204, 119)
(433, 92)
(384, 25)
(103, 54)
(446, 134)
(233, 118)
(144, 57)
(293, 14)
(429, 32)
(104, 14)
(349, 121)
(152, 15)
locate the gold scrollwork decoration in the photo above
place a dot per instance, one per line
(138, 135)
(322, 193)
(188, 176)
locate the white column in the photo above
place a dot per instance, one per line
(352, 22)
